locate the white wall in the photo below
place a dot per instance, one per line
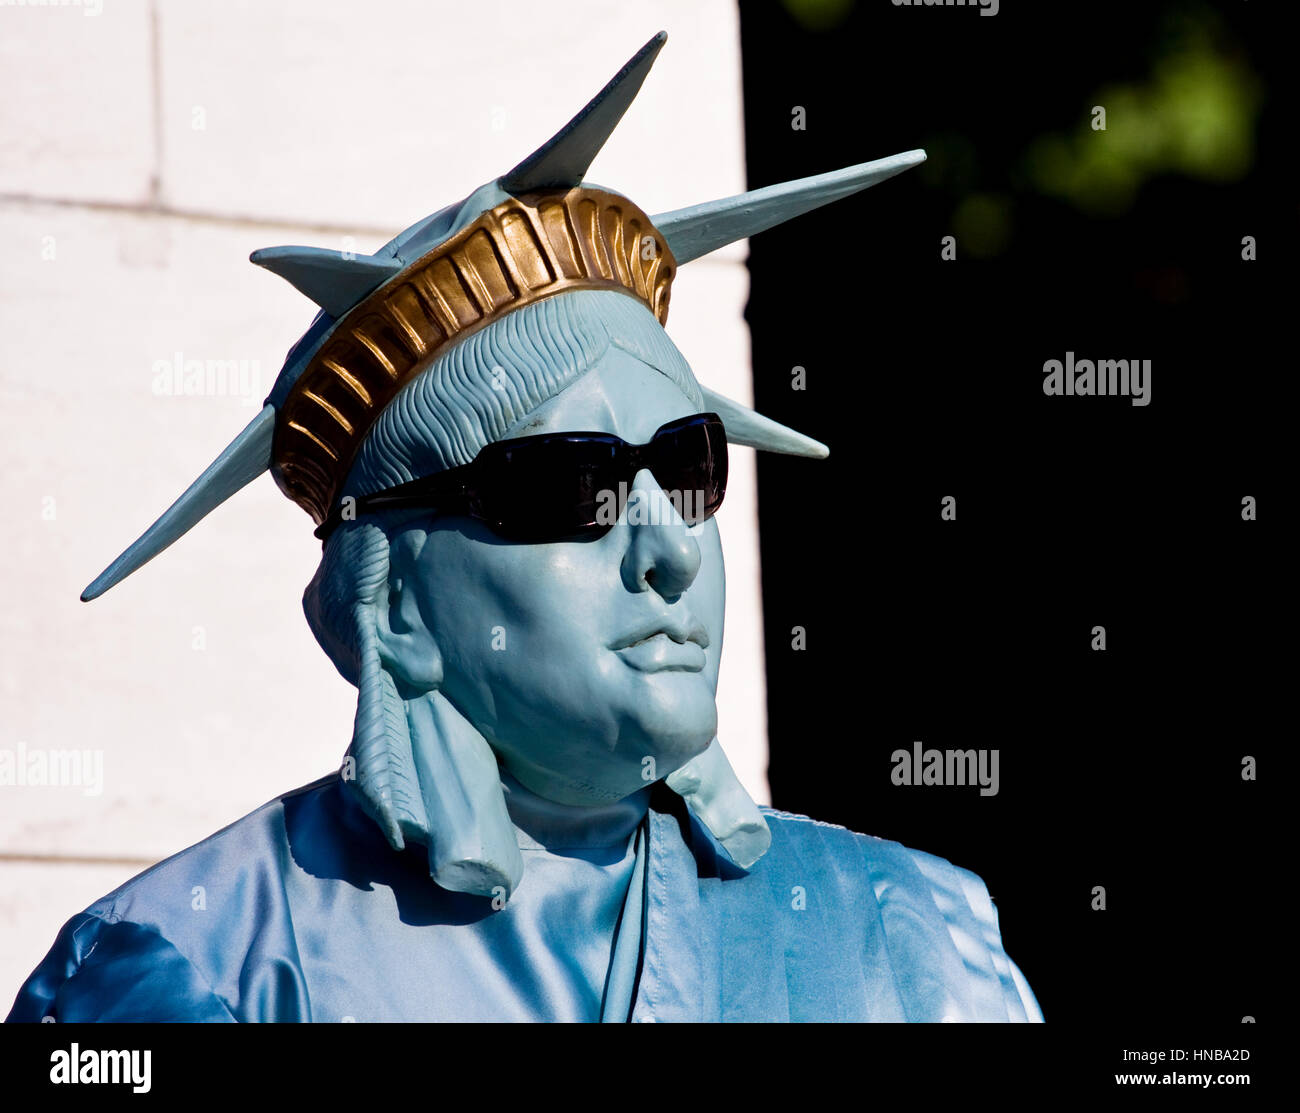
(145, 150)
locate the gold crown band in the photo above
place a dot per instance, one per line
(525, 249)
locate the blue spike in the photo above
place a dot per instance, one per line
(563, 160)
(333, 282)
(697, 230)
(244, 459)
(753, 430)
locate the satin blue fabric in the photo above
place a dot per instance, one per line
(635, 914)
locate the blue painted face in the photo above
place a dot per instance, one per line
(590, 666)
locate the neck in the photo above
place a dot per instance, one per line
(570, 826)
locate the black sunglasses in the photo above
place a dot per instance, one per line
(562, 486)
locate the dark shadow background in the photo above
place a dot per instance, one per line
(1119, 768)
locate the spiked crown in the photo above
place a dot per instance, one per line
(536, 231)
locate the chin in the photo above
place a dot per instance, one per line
(675, 734)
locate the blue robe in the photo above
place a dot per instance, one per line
(302, 912)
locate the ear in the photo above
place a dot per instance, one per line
(406, 644)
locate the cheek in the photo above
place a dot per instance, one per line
(548, 599)
(707, 595)
(514, 619)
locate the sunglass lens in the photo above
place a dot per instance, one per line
(551, 488)
(690, 464)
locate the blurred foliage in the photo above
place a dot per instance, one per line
(982, 224)
(1193, 115)
(818, 15)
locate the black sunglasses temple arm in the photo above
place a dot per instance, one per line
(448, 489)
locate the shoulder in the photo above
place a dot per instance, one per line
(793, 833)
(171, 943)
(894, 870)
(224, 863)
(923, 905)
(99, 970)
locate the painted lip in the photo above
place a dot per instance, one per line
(661, 654)
(679, 633)
(664, 646)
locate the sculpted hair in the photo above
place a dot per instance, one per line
(469, 396)
(474, 393)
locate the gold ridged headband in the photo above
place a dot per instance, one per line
(522, 250)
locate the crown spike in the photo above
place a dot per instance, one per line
(563, 159)
(331, 280)
(699, 229)
(753, 430)
(246, 457)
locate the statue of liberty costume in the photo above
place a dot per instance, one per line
(535, 819)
